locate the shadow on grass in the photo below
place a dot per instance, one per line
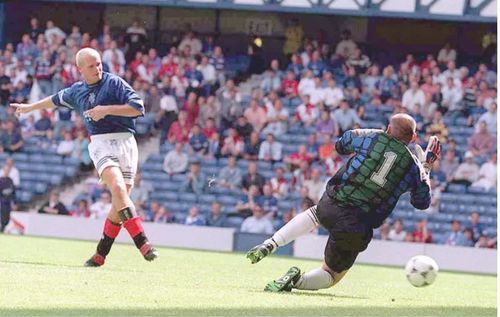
(40, 263)
(310, 293)
(259, 311)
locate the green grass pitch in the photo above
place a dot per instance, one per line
(45, 277)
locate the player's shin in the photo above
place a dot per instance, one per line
(315, 279)
(110, 232)
(133, 224)
(301, 224)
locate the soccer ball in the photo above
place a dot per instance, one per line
(421, 270)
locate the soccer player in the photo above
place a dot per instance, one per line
(109, 106)
(358, 198)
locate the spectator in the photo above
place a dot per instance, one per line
(102, 206)
(279, 184)
(438, 127)
(422, 234)
(290, 86)
(437, 174)
(53, 34)
(271, 81)
(345, 117)
(475, 226)
(233, 145)
(140, 192)
(370, 81)
(482, 242)
(446, 54)
(209, 110)
(191, 41)
(198, 142)
(252, 147)
(7, 198)
(351, 81)
(316, 64)
(195, 180)
(346, 47)
(301, 175)
(295, 66)
(179, 130)
(217, 59)
(9, 170)
(467, 172)
(53, 206)
(456, 237)
(257, 223)
(11, 140)
(413, 96)
(296, 159)
(333, 163)
(327, 148)
(194, 218)
(268, 202)
(256, 115)
(468, 238)
(209, 75)
(252, 178)
(327, 124)
(482, 142)
(135, 39)
(312, 146)
(270, 150)
(490, 118)
(35, 29)
(306, 84)
(306, 113)
(277, 118)
(176, 160)
(386, 86)
(487, 178)
(333, 95)
(359, 61)
(397, 233)
(244, 128)
(67, 146)
(162, 215)
(452, 95)
(384, 230)
(82, 210)
(246, 204)
(230, 109)
(49, 143)
(230, 176)
(216, 218)
(314, 185)
(428, 109)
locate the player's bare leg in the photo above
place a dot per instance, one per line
(316, 279)
(123, 212)
(301, 224)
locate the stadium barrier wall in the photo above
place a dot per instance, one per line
(311, 246)
(464, 259)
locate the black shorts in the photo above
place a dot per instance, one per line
(349, 233)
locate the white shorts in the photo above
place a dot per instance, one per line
(115, 149)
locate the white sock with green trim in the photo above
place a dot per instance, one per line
(301, 224)
(314, 280)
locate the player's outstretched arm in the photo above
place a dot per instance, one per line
(45, 103)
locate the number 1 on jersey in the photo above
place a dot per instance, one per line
(379, 177)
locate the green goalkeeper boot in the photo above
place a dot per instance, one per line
(284, 283)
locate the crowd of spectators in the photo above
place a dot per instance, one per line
(321, 91)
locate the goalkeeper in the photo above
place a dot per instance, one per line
(357, 199)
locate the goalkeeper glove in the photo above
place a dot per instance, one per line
(431, 154)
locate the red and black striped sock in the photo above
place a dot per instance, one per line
(136, 232)
(110, 232)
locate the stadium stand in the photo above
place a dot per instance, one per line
(193, 82)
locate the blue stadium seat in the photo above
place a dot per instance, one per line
(20, 157)
(188, 197)
(233, 222)
(227, 200)
(285, 205)
(206, 198)
(457, 188)
(167, 186)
